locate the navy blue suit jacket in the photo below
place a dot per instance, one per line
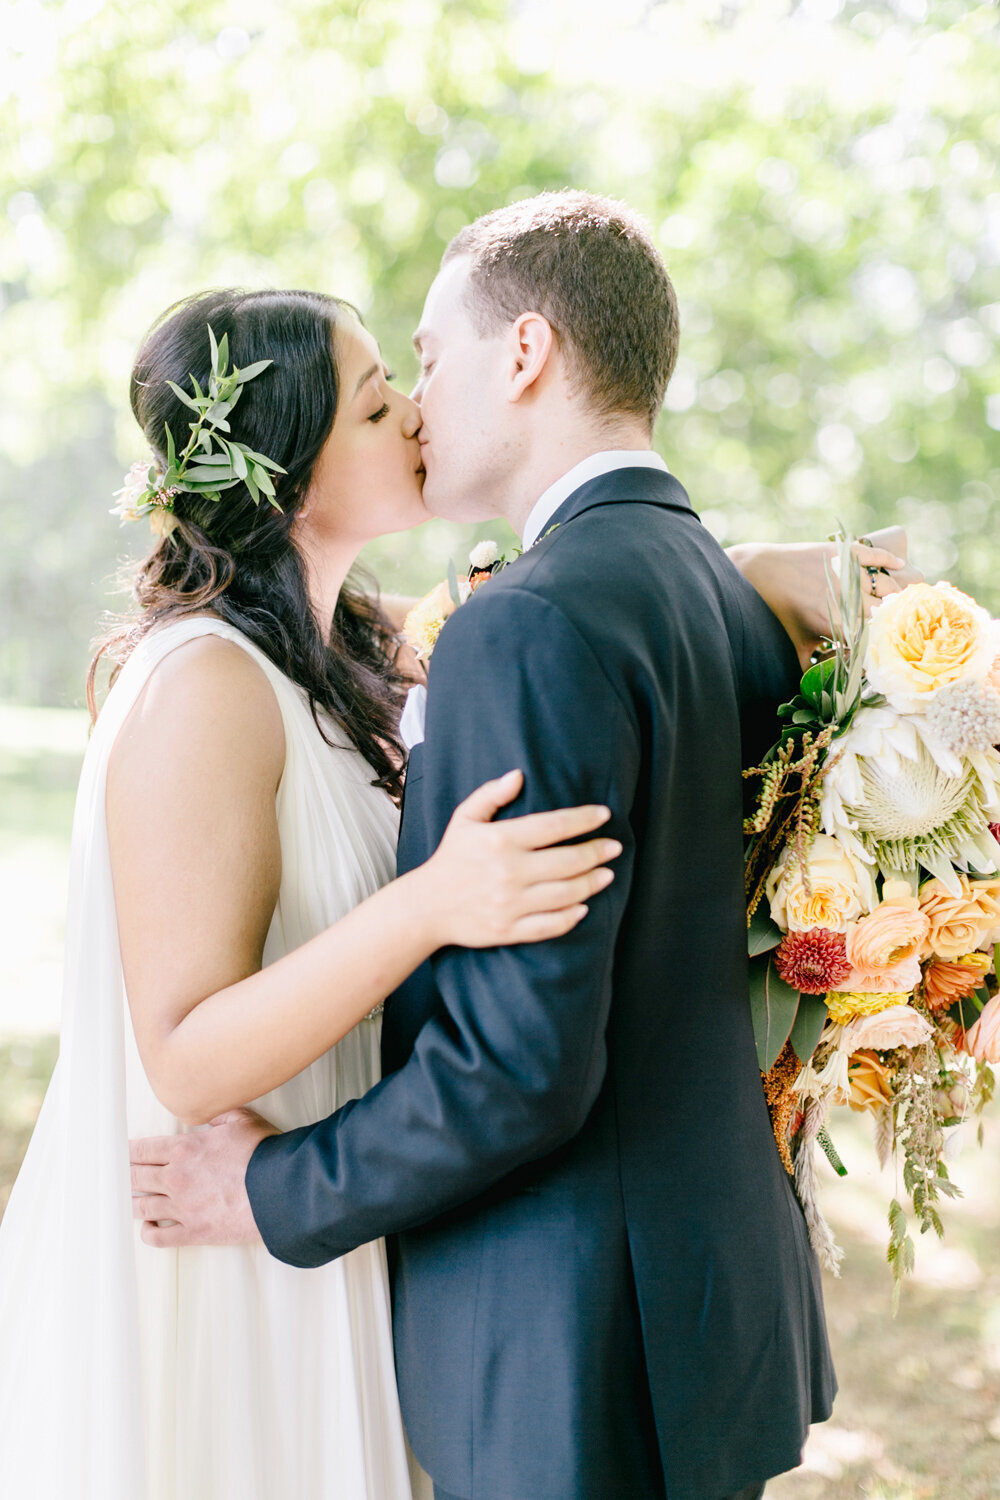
(602, 1280)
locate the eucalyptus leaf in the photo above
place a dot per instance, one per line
(183, 396)
(263, 479)
(810, 1018)
(203, 472)
(251, 371)
(239, 462)
(262, 460)
(456, 597)
(171, 449)
(762, 934)
(223, 352)
(773, 1005)
(213, 346)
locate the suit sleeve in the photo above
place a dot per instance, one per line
(510, 1065)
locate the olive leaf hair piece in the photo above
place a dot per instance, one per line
(211, 461)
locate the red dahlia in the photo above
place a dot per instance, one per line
(813, 961)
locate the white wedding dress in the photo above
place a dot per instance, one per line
(128, 1373)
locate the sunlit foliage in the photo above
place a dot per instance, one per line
(821, 177)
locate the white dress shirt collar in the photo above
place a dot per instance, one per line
(591, 467)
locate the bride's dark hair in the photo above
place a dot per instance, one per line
(237, 558)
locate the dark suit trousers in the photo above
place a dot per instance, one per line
(752, 1492)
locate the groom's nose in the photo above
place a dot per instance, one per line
(411, 422)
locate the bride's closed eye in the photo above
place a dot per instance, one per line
(383, 410)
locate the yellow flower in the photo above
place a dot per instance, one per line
(425, 620)
(925, 637)
(845, 1005)
(842, 888)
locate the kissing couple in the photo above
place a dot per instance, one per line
(558, 1155)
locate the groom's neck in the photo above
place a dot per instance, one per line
(551, 459)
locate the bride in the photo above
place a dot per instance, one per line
(233, 926)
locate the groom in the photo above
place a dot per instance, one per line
(602, 1281)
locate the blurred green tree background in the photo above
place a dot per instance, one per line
(820, 175)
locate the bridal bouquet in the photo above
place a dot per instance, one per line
(873, 884)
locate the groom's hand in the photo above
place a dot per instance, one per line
(190, 1189)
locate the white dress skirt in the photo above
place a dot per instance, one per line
(128, 1373)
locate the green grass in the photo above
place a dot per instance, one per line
(25, 1067)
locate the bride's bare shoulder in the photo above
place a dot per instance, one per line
(207, 702)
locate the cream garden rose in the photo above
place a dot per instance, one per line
(925, 637)
(842, 888)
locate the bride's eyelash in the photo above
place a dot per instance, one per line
(383, 411)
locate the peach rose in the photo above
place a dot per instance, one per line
(902, 978)
(869, 1081)
(946, 981)
(958, 924)
(982, 1041)
(925, 637)
(842, 888)
(897, 1026)
(893, 932)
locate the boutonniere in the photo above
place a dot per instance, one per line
(425, 620)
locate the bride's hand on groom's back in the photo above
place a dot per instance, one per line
(791, 579)
(492, 883)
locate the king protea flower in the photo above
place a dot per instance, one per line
(896, 795)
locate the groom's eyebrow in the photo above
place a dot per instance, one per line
(365, 378)
(418, 339)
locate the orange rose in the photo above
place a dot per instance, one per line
(958, 924)
(869, 1080)
(946, 981)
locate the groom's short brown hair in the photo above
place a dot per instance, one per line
(590, 267)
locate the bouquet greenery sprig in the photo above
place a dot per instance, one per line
(211, 461)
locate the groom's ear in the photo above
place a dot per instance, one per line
(532, 346)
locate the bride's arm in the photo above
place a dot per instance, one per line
(791, 579)
(196, 863)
